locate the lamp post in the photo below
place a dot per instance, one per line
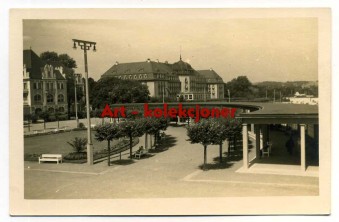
(86, 45)
(229, 95)
(77, 76)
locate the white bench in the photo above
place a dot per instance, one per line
(140, 152)
(51, 157)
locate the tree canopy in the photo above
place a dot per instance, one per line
(132, 128)
(112, 90)
(69, 63)
(239, 87)
(107, 132)
(65, 59)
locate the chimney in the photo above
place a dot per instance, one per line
(116, 63)
(148, 60)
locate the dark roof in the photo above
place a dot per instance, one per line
(182, 67)
(282, 113)
(33, 63)
(138, 68)
(211, 75)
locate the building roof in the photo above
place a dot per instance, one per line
(151, 67)
(211, 76)
(182, 67)
(34, 65)
(138, 68)
(282, 113)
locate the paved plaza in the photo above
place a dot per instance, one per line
(174, 171)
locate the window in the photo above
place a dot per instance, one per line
(51, 110)
(50, 98)
(25, 85)
(37, 98)
(60, 85)
(61, 109)
(135, 76)
(145, 75)
(35, 85)
(60, 98)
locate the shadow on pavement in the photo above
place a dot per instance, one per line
(123, 162)
(164, 144)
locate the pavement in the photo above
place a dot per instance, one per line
(174, 171)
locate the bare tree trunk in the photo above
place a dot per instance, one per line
(205, 157)
(130, 146)
(150, 138)
(146, 138)
(109, 153)
(44, 124)
(229, 148)
(220, 152)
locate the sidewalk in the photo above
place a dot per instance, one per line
(172, 172)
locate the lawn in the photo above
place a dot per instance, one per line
(57, 143)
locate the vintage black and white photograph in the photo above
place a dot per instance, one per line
(173, 104)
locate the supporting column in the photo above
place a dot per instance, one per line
(257, 141)
(252, 128)
(265, 134)
(302, 147)
(245, 145)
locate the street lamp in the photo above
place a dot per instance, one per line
(86, 45)
(229, 95)
(77, 77)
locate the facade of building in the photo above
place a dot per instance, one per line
(44, 85)
(171, 80)
(215, 84)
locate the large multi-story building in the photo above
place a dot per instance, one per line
(44, 85)
(215, 84)
(171, 80)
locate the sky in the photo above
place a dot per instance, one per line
(263, 49)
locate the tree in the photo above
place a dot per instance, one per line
(201, 133)
(132, 128)
(235, 130)
(28, 118)
(153, 126)
(57, 117)
(64, 59)
(45, 116)
(69, 64)
(49, 56)
(239, 87)
(67, 61)
(220, 128)
(110, 90)
(107, 132)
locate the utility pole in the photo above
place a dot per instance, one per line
(163, 93)
(86, 45)
(229, 95)
(274, 96)
(76, 99)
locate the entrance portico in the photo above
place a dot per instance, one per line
(259, 121)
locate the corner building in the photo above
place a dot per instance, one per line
(171, 80)
(44, 85)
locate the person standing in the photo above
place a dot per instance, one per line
(290, 145)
